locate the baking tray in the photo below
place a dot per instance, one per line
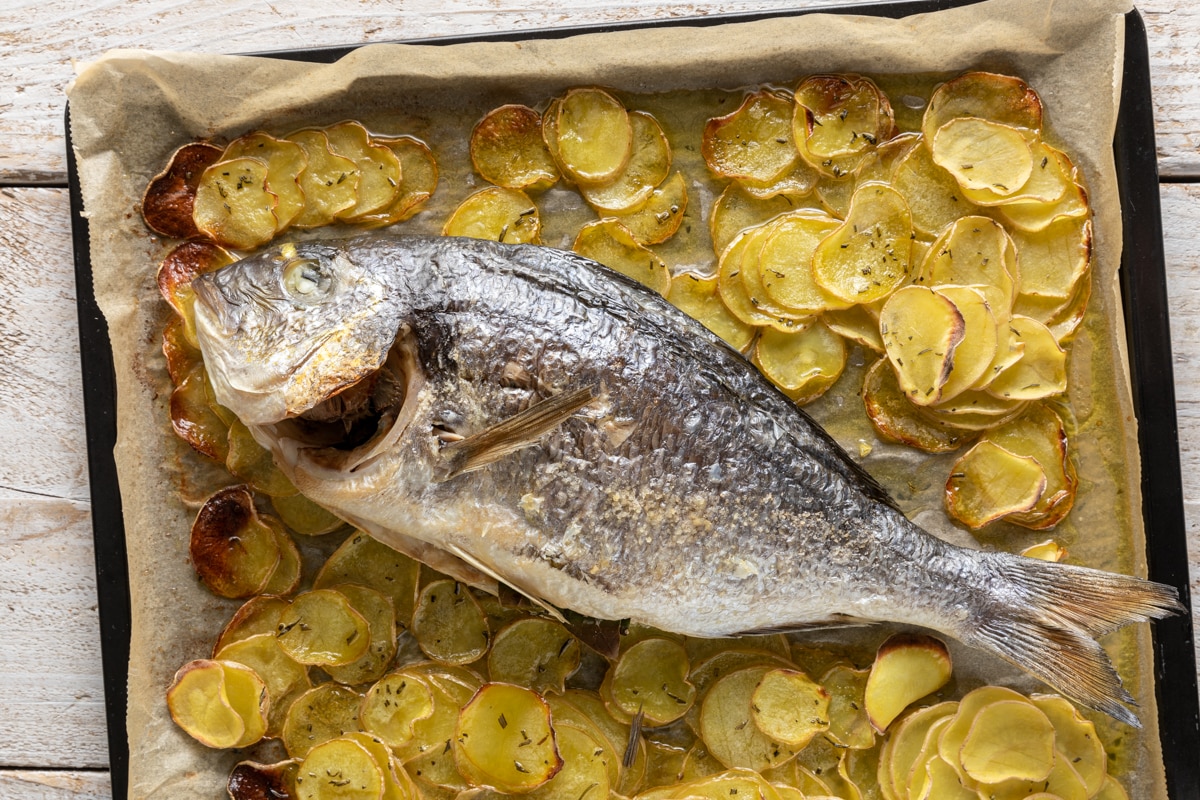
(1144, 296)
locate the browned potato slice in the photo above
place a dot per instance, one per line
(660, 216)
(176, 273)
(1076, 739)
(983, 155)
(1054, 259)
(285, 161)
(322, 628)
(419, 179)
(377, 609)
(233, 205)
(849, 725)
(199, 703)
(697, 297)
(285, 679)
(304, 516)
(841, 115)
(650, 678)
(610, 243)
(253, 781)
(1033, 216)
(1042, 369)
(989, 482)
(394, 705)
(869, 255)
(193, 419)
(986, 95)
(803, 365)
(649, 165)
(1041, 435)
(504, 739)
(1050, 176)
(367, 561)
(378, 168)
(736, 209)
(550, 136)
(340, 769)
(329, 181)
(785, 263)
(498, 214)
(727, 727)
(920, 331)
(249, 461)
(181, 355)
(258, 615)
(286, 576)
(977, 351)
(934, 198)
(534, 652)
(907, 667)
(897, 420)
(789, 707)
(594, 135)
(449, 625)
(754, 142)
(170, 195)
(232, 550)
(507, 149)
(973, 251)
(322, 713)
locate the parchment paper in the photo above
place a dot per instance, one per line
(131, 109)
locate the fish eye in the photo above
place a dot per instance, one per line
(304, 279)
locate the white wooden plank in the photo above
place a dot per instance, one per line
(1173, 33)
(55, 785)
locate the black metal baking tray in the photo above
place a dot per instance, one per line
(1144, 294)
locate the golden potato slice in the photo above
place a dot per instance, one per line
(906, 743)
(660, 216)
(339, 769)
(869, 255)
(1040, 434)
(1008, 740)
(750, 276)
(498, 214)
(650, 678)
(1048, 550)
(249, 461)
(934, 197)
(835, 194)
(534, 652)
(594, 135)
(849, 726)
(795, 182)
(233, 552)
(920, 330)
(286, 576)
(736, 210)
(199, 703)
(989, 482)
(649, 165)
(507, 149)
(364, 560)
(170, 196)
(727, 727)
(754, 142)
(181, 355)
(785, 263)
(329, 181)
(378, 168)
(1054, 259)
(258, 615)
(731, 287)
(449, 625)
(983, 155)
(1034, 216)
(248, 697)
(393, 705)
(941, 781)
(974, 251)
(958, 413)
(985, 95)
(396, 783)
(284, 678)
(418, 180)
(377, 609)
(610, 243)
(857, 324)
(233, 205)
(803, 365)
(322, 713)
(1075, 738)
(504, 739)
(1042, 369)
(975, 403)
(840, 115)
(898, 420)
(176, 273)
(1063, 782)
(881, 161)
(618, 735)
(304, 516)
(253, 781)
(285, 161)
(787, 706)
(564, 714)
(977, 351)
(697, 297)
(584, 772)
(721, 786)
(907, 667)
(321, 628)
(1111, 789)
(1050, 176)
(194, 420)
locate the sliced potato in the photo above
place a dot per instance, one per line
(977, 351)
(285, 162)
(841, 115)
(176, 273)
(378, 168)
(258, 615)
(983, 155)
(321, 628)
(789, 707)
(534, 652)
(1075, 738)
(730, 287)
(286, 576)
(649, 165)
(1040, 434)
(857, 323)
(233, 205)
(897, 420)
(1054, 259)
(449, 625)
(329, 181)
(594, 135)
(585, 768)
(834, 193)
(377, 610)
(736, 210)
(881, 160)
(907, 667)
(364, 560)
(905, 744)
(974, 251)
(249, 461)
(322, 713)
(796, 181)
(339, 769)
(507, 149)
(253, 781)
(754, 142)
(610, 243)
(304, 516)
(785, 263)
(1049, 178)
(697, 297)
(849, 725)
(498, 214)
(989, 482)
(868, 256)
(659, 217)
(418, 180)
(727, 726)
(194, 420)
(650, 679)
(170, 196)
(1041, 371)
(985, 95)
(934, 197)
(1048, 550)
(248, 697)
(1008, 740)
(285, 679)
(803, 365)
(199, 703)
(393, 705)
(1034, 216)
(751, 277)
(233, 552)
(920, 330)
(504, 739)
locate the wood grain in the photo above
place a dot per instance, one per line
(55, 785)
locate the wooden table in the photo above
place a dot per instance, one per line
(51, 692)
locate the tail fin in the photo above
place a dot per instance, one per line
(1048, 619)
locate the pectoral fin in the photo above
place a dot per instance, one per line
(518, 431)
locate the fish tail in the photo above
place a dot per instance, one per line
(1049, 615)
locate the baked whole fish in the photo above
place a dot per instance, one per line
(522, 415)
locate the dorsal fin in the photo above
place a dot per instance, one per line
(518, 431)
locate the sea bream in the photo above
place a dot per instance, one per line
(522, 415)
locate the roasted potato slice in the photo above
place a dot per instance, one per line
(1048, 550)
(1033, 216)
(1075, 738)
(258, 615)
(286, 576)
(376, 609)
(176, 273)
(697, 297)
(285, 162)
(989, 482)
(1008, 740)
(534, 652)
(584, 770)
(985, 95)
(650, 678)
(904, 745)
(233, 552)
(418, 180)
(648, 166)
(907, 667)
(507, 149)
(1040, 434)
(170, 196)
(233, 205)
(898, 420)
(324, 712)
(504, 739)
(498, 214)
(841, 115)
(594, 135)
(977, 351)
(786, 259)
(181, 355)
(194, 420)
(974, 251)
(198, 700)
(803, 365)
(983, 155)
(610, 243)
(796, 181)
(249, 461)
(727, 726)
(304, 516)
(934, 197)
(329, 181)
(253, 781)
(1050, 176)
(394, 705)
(1054, 259)
(754, 142)
(320, 627)
(920, 330)
(657, 219)
(284, 678)
(857, 324)
(849, 725)
(449, 625)
(378, 168)
(789, 707)
(1041, 371)
(340, 769)
(869, 255)
(736, 210)
(366, 561)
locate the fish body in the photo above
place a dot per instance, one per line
(518, 414)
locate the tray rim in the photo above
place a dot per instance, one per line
(1142, 278)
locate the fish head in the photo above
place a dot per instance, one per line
(286, 329)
